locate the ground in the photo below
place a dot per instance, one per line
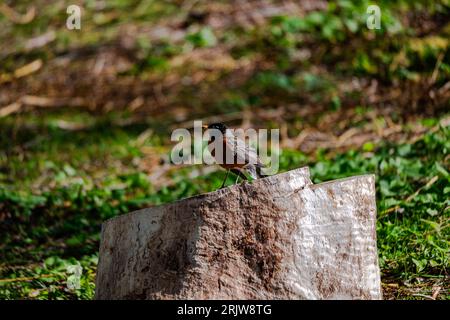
(86, 117)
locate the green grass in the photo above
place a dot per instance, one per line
(63, 172)
(44, 230)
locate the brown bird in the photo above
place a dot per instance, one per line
(244, 157)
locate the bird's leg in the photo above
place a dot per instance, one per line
(239, 174)
(226, 176)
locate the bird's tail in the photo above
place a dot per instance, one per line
(255, 171)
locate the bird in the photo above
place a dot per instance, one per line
(245, 157)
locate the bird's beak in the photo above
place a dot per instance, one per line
(205, 126)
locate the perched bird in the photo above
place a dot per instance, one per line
(244, 157)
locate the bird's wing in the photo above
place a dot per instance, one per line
(243, 153)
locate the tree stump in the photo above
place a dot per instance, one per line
(281, 237)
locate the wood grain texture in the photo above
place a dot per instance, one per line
(280, 237)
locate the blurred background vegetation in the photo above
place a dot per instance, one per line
(86, 117)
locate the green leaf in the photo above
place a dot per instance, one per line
(432, 212)
(204, 38)
(352, 25)
(436, 226)
(441, 170)
(50, 261)
(420, 264)
(368, 146)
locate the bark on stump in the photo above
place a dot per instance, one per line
(280, 237)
